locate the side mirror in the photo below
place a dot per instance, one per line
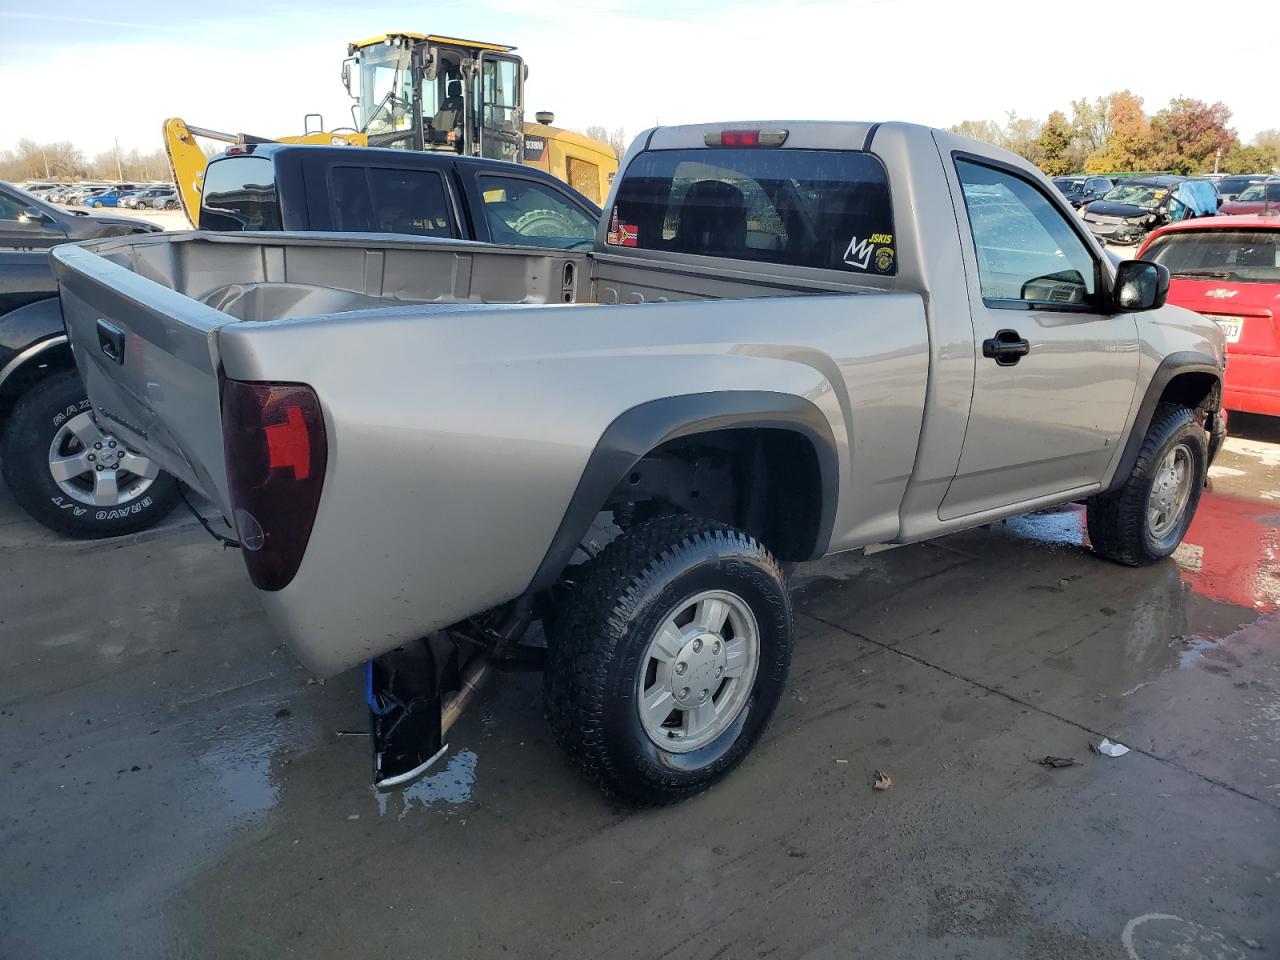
(32, 215)
(431, 64)
(346, 75)
(1220, 201)
(1140, 285)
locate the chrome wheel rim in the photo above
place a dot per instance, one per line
(96, 469)
(1170, 491)
(698, 670)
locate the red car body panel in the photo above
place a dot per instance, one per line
(1253, 359)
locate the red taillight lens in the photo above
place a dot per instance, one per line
(273, 438)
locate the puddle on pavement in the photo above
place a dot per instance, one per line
(239, 758)
(1231, 553)
(450, 787)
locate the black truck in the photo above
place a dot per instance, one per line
(81, 481)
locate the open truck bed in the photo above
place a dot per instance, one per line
(463, 390)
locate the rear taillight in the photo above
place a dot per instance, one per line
(274, 441)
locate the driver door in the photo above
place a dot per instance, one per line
(501, 104)
(1055, 370)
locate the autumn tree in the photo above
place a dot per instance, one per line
(1189, 133)
(1129, 144)
(1055, 145)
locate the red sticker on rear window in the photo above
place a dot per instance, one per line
(621, 234)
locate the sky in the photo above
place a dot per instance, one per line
(92, 72)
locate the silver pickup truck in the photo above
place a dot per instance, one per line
(790, 339)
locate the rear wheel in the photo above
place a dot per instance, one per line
(71, 475)
(670, 659)
(1146, 518)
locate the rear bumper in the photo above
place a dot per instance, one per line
(1253, 384)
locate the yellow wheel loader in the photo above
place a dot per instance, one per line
(415, 91)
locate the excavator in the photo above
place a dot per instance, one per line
(416, 91)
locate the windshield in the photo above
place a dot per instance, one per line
(1067, 186)
(1248, 256)
(1261, 191)
(1148, 195)
(386, 89)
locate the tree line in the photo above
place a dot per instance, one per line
(1114, 134)
(63, 160)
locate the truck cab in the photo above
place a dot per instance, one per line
(274, 186)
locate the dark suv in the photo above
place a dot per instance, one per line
(1081, 190)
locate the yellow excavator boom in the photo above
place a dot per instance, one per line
(187, 158)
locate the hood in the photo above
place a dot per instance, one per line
(88, 224)
(1126, 211)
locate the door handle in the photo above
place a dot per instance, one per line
(111, 340)
(1006, 348)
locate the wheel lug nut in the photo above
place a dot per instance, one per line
(681, 667)
(715, 647)
(702, 696)
(98, 467)
(111, 443)
(92, 457)
(719, 672)
(97, 446)
(697, 646)
(684, 692)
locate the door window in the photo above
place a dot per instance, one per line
(387, 200)
(1027, 251)
(530, 214)
(502, 136)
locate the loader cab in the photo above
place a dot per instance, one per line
(418, 92)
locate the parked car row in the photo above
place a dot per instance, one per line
(1125, 212)
(130, 195)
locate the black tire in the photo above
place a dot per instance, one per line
(597, 648)
(1119, 523)
(33, 425)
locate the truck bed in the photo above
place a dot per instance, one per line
(448, 431)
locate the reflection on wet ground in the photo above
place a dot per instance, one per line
(176, 785)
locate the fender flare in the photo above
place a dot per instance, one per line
(1174, 365)
(29, 331)
(642, 428)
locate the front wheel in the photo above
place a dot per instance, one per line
(1145, 518)
(670, 658)
(71, 475)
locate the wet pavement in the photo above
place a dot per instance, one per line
(175, 786)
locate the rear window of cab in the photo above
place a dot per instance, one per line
(828, 209)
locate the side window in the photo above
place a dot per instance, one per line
(240, 194)
(387, 200)
(1027, 252)
(584, 177)
(531, 214)
(10, 207)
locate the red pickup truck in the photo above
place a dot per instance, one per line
(1228, 268)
